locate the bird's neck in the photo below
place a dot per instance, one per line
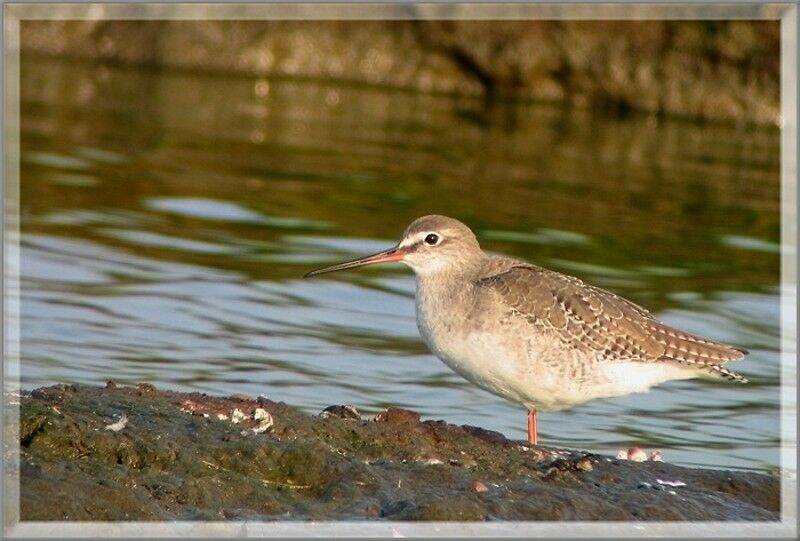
(448, 281)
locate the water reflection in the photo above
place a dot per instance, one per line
(167, 221)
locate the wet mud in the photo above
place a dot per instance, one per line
(138, 453)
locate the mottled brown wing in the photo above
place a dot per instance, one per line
(596, 320)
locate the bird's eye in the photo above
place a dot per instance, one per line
(432, 239)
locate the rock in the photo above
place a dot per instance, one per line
(397, 415)
(119, 425)
(264, 419)
(146, 388)
(486, 435)
(260, 414)
(237, 416)
(168, 465)
(190, 406)
(478, 486)
(56, 393)
(431, 461)
(342, 412)
(636, 454)
(675, 483)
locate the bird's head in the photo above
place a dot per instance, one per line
(429, 245)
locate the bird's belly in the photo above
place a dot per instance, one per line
(490, 362)
(539, 374)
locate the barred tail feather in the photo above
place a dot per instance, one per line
(717, 370)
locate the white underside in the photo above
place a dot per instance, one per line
(485, 360)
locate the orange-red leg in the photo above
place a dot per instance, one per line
(532, 427)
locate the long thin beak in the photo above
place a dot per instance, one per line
(392, 254)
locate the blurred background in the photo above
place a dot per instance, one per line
(179, 177)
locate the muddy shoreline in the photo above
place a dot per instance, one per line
(139, 453)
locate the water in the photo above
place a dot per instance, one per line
(167, 220)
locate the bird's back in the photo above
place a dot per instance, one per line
(585, 318)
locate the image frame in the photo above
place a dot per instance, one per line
(14, 14)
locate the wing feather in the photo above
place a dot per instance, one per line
(597, 320)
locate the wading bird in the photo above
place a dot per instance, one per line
(534, 336)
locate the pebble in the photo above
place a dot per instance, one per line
(190, 406)
(676, 483)
(119, 425)
(466, 462)
(662, 485)
(265, 419)
(636, 454)
(478, 486)
(343, 412)
(584, 465)
(397, 415)
(146, 388)
(539, 454)
(237, 415)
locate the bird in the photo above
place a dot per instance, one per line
(536, 337)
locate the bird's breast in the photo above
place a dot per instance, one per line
(473, 346)
(443, 313)
(503, 355)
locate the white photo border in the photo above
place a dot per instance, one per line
(13, 14)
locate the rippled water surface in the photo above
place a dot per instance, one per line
(167, 220)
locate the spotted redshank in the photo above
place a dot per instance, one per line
(534, 336)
